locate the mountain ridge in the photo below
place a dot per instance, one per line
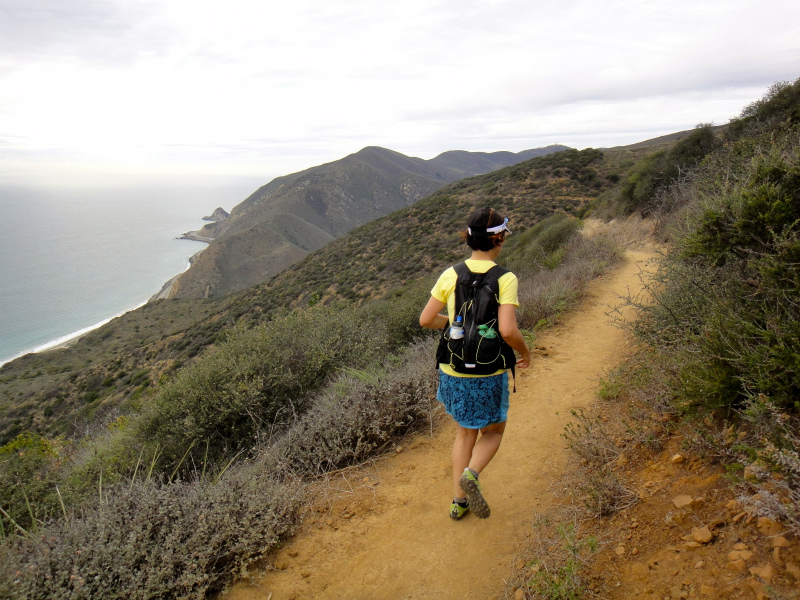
(293, 215)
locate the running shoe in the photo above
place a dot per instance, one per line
(457, 511)
(469, 483)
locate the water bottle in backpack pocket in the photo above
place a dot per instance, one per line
(457, 328)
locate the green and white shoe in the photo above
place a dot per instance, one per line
(469, 483)
(457, 511)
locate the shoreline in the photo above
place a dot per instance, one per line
(65, 341)
(166, 289)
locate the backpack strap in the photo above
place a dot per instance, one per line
(492, 277)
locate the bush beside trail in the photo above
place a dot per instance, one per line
(720, 322)
(150, 540)
(361, 414)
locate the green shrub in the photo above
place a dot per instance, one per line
(726, 294)
(398, 313)
(778, 107)
(29, 472)
(644, 186)
(527, 251)
(258, 378)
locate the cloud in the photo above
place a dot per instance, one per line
(102, 31)
(263, 86)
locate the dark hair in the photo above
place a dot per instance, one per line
(477, 223)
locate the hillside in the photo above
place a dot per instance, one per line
(286, 219)
(117, 366)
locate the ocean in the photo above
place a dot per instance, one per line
(72, 259)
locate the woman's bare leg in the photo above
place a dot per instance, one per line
(471, 451)
(462, 454)
(486, 446)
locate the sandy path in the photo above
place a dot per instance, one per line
(387, 533)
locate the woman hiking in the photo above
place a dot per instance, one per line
(475, 391)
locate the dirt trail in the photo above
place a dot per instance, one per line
(386, 532)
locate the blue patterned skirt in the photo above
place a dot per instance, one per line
(474, 402)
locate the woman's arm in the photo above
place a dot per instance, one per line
(431, 317)
(507, 323)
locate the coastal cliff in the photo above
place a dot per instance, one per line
(220, 214)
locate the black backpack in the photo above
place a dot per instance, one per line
(482, 346)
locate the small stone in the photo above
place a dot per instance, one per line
(305, 573)
(776, 557)
(702, 535)
(692, 545)
(758, 589)
(707, 590)
(673, 519)
(635, 551)
(699, 564)
(365, 479)
(764, 572)
(519, 594)
(677, 458)
(737, 566)
(793, 570)
(768, 527)
(329, 522)
(740, 546)
(740, 555)
(280, 565)
(682, 500)
(780, 541)
(739, 517)
(520, 563)
(622, 460)
(399, 449)
(620, 550)
(733, 505)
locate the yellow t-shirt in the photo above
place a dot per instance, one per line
(445, 291)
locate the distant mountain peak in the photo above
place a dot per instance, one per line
(284, 220)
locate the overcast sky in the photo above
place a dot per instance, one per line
(96, 88)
